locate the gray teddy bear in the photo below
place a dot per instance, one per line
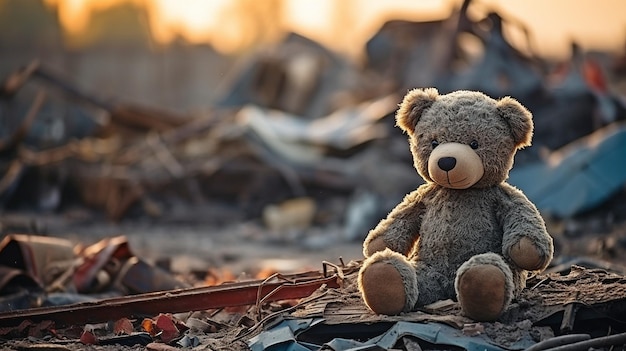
(466, 233)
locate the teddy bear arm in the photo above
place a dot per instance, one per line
(393, 234)
(526, 241)
(399, 231)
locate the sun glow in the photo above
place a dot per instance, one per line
(74, 15)
(344, 25)
(196, 21)
(231, 25)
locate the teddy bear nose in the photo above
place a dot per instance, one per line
(446, 163)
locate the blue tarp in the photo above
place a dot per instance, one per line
(284, 337)
(578, 177)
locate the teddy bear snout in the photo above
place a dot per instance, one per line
(446, 163)
(455, 165)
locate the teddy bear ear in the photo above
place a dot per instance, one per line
(519, 119)
(413, 105)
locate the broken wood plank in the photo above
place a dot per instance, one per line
(11, 175)
(20, 133)
(17, 79)
(583, 286)
(569, 317)
(175, 301)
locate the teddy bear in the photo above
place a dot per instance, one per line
(465, 234)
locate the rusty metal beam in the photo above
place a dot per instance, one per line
(175, 301)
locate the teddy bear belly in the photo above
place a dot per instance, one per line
(445, 245)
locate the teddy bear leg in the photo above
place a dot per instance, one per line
(484, 287)
(388, 283)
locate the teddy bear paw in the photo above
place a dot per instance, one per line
(482, 292)
(526, 255)
(383, 288)
(376, 245)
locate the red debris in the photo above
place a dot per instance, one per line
(88, 338)
(96, 257)
(167, 326)
(123, 326)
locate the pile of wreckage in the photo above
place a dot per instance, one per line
(298, 121)
(128, 303)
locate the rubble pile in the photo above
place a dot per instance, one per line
(574, 309)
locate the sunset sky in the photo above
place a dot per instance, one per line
(344, 25)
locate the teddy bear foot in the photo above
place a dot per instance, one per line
(383, 288)
(482, 292)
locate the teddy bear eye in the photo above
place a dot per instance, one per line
(473, 144)
(434, 143)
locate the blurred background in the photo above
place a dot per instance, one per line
(261, 133)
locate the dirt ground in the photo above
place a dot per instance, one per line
(243, 247)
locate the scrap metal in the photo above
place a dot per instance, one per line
(175, 301)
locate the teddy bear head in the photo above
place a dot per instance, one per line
(465, 138)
